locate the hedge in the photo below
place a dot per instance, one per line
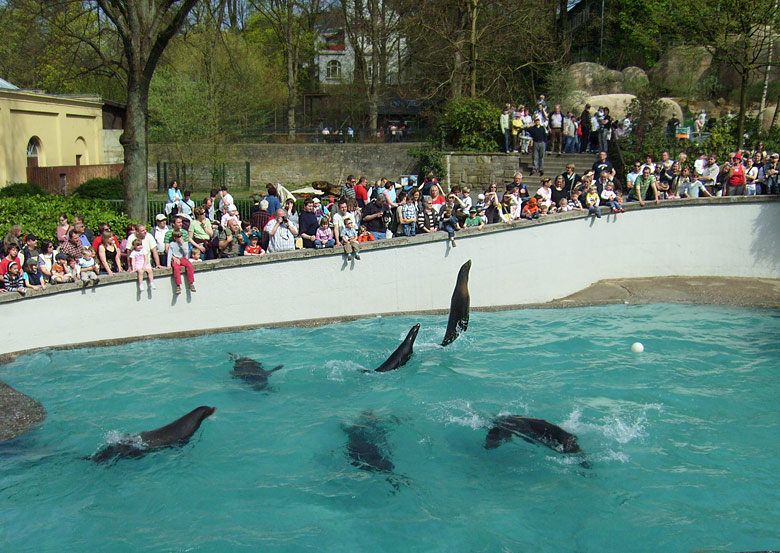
(103, 188)
(18, 189)
(39, 214)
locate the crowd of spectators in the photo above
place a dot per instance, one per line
(188, 234)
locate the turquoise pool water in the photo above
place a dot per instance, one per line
(682, 439)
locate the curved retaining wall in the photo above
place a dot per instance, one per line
(530, 262)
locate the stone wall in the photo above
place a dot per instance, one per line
(479, 170)
(289, 164)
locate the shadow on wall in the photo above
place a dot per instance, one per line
(766, 238)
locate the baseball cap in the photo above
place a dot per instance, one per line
(160, 217)
(30, 237)
(232, 207)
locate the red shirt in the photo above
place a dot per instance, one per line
(6, 262)
(361, 193)
(99, 240)
(737, 178)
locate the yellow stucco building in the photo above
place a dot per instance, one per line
(46, 130)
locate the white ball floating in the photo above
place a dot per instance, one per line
(637, 347)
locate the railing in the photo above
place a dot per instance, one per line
(154, 207)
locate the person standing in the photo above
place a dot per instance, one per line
(585, 122)
(556, 129)
(506, 127)
(539, 136)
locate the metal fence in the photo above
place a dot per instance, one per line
(154, 207)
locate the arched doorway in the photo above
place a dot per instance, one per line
(82, 155)
(34, 152)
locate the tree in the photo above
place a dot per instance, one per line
(737, 33)
(292, 22)
(144, 29)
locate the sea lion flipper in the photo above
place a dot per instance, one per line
(276, 368)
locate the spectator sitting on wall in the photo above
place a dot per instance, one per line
(177, 225)
(30, 252)
(73, 248)
(281, 233)
(148, 243)
(108, 252)
(59, 270)
(254, 248)
(292, 212)
(12, 256)
(338, 220)
(230, 240)
(373, 218)
(308, 224)
(85, 230)
(84, 238)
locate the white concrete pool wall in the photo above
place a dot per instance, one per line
(527, 263)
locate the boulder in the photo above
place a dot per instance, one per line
(671, 108)
(617, 103)
(680, 69)
(594, 78)
(634, 79)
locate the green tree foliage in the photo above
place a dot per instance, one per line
(429, 158)
(649, 131)
(471, 124)
(38, 214)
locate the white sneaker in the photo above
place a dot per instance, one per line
(152, 286)
(141, 288)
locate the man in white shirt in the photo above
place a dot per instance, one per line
(149, 244)
(556, 129)
(160, 230)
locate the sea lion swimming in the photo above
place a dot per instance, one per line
(367, 446)
(532, 430)
(251, 371)
(176, 433)
(402, 353)
(459, 306)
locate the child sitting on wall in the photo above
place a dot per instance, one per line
(88, 269)
(323, 237)
(351, 241)
(592, 201)
(14, 282)
(449, 223)
(364, 235)
(59, 269)
(610, 197)
(474, 220)
(33, 277)
(139, 262)
(531, 209)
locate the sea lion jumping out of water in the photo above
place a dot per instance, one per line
(459, 306)
(532, 430)
(251, 371)
(176, 433)
(402, 353)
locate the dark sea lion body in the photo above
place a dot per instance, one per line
(252, 372)
(459, 306)
(367, 444)
(402, 353)
(176, 433)
(531, 430)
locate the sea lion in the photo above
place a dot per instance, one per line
(176, 433)
(368, 449)
(531, 430)
(251, 371)
(402, 353)
(459, 306)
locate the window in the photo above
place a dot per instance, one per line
(333, 70)
(33, 149)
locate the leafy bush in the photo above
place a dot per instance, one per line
(472, 124)
(648, 135)
(101, 188)
(18, 189)
(38, 214)
(430, 158)
(723, 138)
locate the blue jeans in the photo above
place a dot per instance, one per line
(507, 140)
(410, 229)
(379, 235)
(328, 244)
(595, 210)
(614, 204)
